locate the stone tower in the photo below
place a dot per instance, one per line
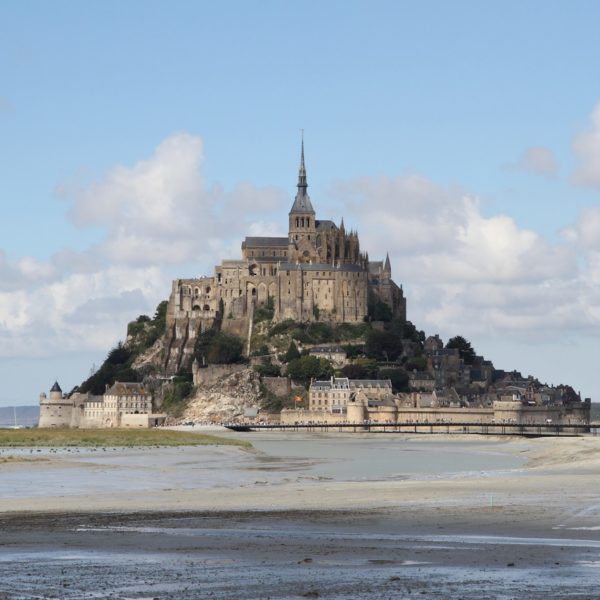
(302, 223)
(56, 410)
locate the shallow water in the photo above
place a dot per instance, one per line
(271, 557)
(278, 458)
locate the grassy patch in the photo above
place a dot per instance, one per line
(18, 459)
(62, 438)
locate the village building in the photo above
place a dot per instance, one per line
(334, 395)
(334, 354)
(124, 404)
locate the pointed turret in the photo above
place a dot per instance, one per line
(302, 202)
(387, 267)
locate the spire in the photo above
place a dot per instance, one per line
(387, 267)
(302, 171)
(302, 202)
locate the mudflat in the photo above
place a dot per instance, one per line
(328, 516)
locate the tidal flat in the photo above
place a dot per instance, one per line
(305, 516)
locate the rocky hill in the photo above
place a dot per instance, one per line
(225, 399)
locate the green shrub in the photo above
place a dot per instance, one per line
(309, 367)
(398, 377)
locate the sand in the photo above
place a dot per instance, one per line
(227, 523)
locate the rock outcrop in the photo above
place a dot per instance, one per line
(226, 399)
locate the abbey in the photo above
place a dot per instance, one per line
(317, 272)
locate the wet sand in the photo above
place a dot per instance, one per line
(438, 518)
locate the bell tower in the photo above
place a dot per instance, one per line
(302, 215)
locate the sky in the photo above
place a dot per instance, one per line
(141, 141)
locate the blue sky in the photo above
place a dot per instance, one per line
(470, 123)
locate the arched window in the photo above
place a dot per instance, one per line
(206, 308)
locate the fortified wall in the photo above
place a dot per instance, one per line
(500, 412)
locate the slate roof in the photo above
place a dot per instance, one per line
(265, 242)
(302, 203)
(378, 383)
(55, 387)
(325, 225)
(375, 266)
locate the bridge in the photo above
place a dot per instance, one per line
(520, 429)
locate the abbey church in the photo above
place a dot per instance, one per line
(317, 272)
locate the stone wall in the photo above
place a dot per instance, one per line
(237, 327)
(212, 373)
(280, 386)
(290, 417)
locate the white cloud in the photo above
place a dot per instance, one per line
(157, 216)
(160, 212)
(587, 149)
(474, 274)
(539, 161)
(586, 231)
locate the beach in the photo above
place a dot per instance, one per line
(305, 515)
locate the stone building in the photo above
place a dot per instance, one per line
(336, 355)
(123, 404)
(56, 410)
(317, 272)
(334, 395)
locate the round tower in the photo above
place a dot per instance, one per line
(56, 410)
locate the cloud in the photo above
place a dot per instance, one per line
(156, 217)
(159, 211)
(26, 271)
(587, 150)
(472, 273)
(539, 161)
(585, 232)
(464, 272)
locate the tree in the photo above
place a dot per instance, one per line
(217, 347)
(362, 368)
(465, 350)
(398, 377)
(292, 353)
(379, 311)
(309, 367)
(266, 312)
(383, 345)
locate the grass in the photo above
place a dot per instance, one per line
(18, 459)
(116, 438)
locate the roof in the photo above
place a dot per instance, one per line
(325, 225)
(55, 387)
(375, 266)
(320, 267)
(327, 349)
(302, 202)
(265, 242)
(126, 388)
(378, 383)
